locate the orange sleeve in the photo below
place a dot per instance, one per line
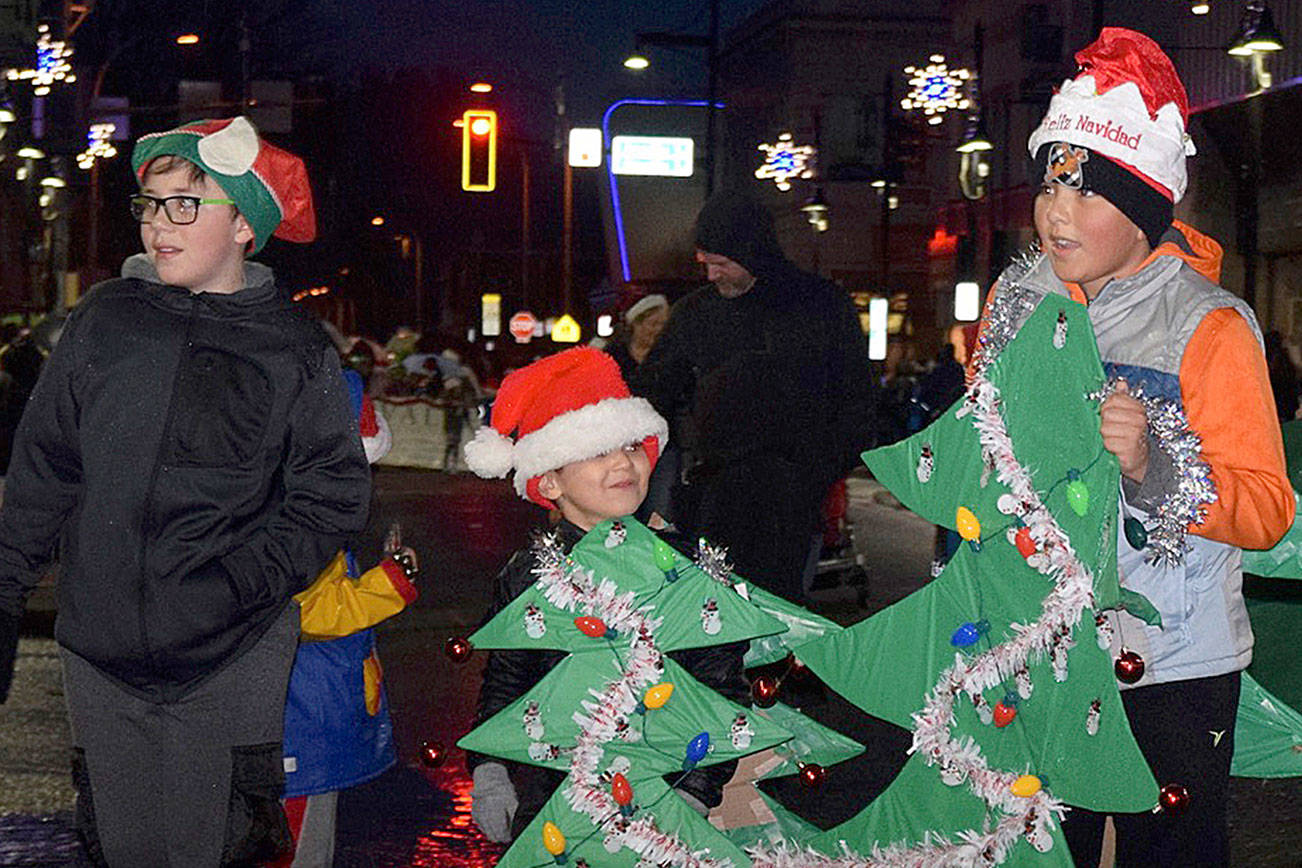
(1227, 398)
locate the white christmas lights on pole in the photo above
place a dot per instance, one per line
(52, 56)
(935, 89)
(99, 145)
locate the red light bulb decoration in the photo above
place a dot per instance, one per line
(432, 754)
(1022, 539)
(1129, 667)
(594, 628)
(812, 774)
(622, 793)
(1173, 798)
(458, 649)
(764, 690)
(1004, 714)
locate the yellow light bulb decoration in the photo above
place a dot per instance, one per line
(969, 527)
(1025, 786)
(553, 838)
(657, 695)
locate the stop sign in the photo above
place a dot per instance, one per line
(522, 325)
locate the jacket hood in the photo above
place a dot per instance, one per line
(1201, 252)
(259, 286)
(737, 226)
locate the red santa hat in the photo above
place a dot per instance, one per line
(1127, 103)
(568, 407)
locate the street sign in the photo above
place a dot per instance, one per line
(566, 330)
(661, 156)
(491, 314)
(522, 326)
(585, 147)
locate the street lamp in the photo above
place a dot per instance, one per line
(1257, 31)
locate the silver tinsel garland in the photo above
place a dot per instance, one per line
(1008, 309)
(1187, 503)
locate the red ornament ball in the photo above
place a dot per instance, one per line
(432, 754)
(764, 690)
(458, 649)
(812, 774)
(1173, 798)
(1129, 667)
(1004, 714)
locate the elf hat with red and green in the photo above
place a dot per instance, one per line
(269, 185)
(561, 409)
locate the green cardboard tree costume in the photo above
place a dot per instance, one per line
(618, 716)
(995, 665)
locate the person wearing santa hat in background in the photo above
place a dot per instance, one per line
(190, 455)
(1110, 157)
(577, 441)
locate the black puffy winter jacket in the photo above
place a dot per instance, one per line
(508, 675)
(192, 461)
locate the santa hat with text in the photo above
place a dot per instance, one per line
(564, 408)
(1118, 128)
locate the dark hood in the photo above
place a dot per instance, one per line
(737, 226)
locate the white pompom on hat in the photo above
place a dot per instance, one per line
(1127, 104)
(564, 408)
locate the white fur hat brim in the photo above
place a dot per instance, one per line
(578, 435)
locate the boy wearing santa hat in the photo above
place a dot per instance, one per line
(189, 454)
(1208, 478)
(578, 442)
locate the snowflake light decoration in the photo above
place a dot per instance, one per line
(785, 160)
(98, 145)
(51, 64)
(936, 89)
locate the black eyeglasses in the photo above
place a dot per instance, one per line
(181, 210)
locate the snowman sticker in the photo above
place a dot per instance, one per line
(1060, 331)
(617, 534)
(534, 625)
(710, 622)
(741, 733)
(1092, 718)
(926, 463)
(539, 752)
(533, 725)
(1037, 832)
(1103, 631)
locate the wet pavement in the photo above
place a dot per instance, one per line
(463, 529)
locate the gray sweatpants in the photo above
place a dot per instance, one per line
(189, 783)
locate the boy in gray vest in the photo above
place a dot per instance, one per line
(1188, 414)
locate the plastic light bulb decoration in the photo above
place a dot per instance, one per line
(1078, 496)
(1022, 539)
(622, 793)
(1006, 710)
(594, 628)
(1025, 786)
(665, 560)
(553, 839)
(657, 695)
(1136, 533)
(969, 527)
(697, 748)
(969, 634)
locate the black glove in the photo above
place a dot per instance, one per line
(8, 651)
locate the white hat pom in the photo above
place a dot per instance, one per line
(490, 455)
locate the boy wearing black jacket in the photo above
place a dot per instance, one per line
(584, 446)
(189, 456)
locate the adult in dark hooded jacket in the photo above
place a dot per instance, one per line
(774, 367)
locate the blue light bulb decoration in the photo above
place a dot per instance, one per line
(969, 633)
(1078, 496)
(697, 748)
